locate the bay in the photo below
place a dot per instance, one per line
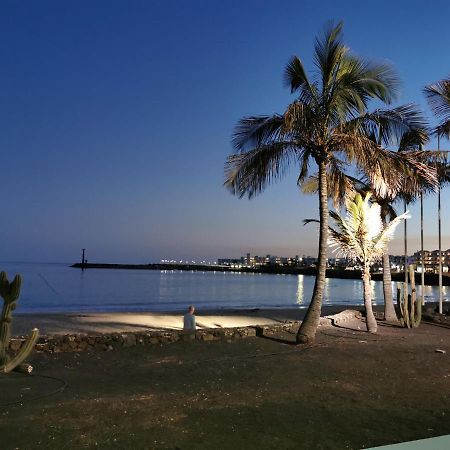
(55, 287)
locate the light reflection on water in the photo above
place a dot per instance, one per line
(59, 288)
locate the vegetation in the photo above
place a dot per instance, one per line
(10, 293)
(410, 309)
(328, 125)
(362, 236)
(412, 186)
(438, 96)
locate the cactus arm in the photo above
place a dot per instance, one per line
(5, 331)
(24, 352)
(10, 293)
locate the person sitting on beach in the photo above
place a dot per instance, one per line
(189, 320)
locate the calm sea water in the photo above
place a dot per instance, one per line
(59, 288)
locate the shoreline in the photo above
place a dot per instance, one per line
(431, 279)
(109, 322)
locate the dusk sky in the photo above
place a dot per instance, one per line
(116, 118)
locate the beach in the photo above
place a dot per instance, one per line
(86, 323)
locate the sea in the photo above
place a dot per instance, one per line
(56, 287)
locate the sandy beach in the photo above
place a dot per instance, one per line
(51, 324)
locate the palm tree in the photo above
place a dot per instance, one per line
(412, 186)
(362, 236)
(327, 125)
(438, 96)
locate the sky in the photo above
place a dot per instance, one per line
(116, 119)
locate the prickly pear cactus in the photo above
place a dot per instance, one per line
(10, 293)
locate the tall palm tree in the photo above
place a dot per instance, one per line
(438, 96)
(327, 125)
(362, 236)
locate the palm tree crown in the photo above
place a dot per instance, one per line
(361, 235)
(328, 122)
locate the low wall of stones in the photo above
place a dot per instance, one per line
(111, 341)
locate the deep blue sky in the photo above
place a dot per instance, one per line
(116, 117)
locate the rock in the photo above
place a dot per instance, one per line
(344, 316)
(207, 337)
(129, 339)
(187, 336)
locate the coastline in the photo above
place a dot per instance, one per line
(431, 279)
(110, 322)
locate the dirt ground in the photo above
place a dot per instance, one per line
(350, 390)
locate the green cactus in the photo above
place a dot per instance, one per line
(10, 293)
(410, 310)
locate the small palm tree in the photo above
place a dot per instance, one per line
(329, 126)
(362, 236)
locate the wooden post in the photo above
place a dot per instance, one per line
(83, 260)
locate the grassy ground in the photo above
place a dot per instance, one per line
(351, 390)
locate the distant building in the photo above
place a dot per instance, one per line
(231, 262)
(431, 260)
(398, 262)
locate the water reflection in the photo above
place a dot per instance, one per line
(326, 290)
(300, 292)
(58, 288)
(373, 291)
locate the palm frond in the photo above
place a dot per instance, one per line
(380, 243)
(304, 167)
(389, 126)
(296, 79)
(438, 96)
(328, 51)
(360, 234)
(311, 185)
(249, 173)
(356, 82)
(254, 131)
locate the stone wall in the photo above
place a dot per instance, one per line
(106, 342)
(111, 341)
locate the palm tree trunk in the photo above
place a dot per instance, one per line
(307, 332)
(422, 257)
(405, 244)
(389, 310)
(371, 323)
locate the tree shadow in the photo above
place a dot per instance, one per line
(280, 340)
(436, 324)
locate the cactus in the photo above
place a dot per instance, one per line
(10, 293)
(410, 310)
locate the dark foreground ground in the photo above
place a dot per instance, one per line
(350, 390)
